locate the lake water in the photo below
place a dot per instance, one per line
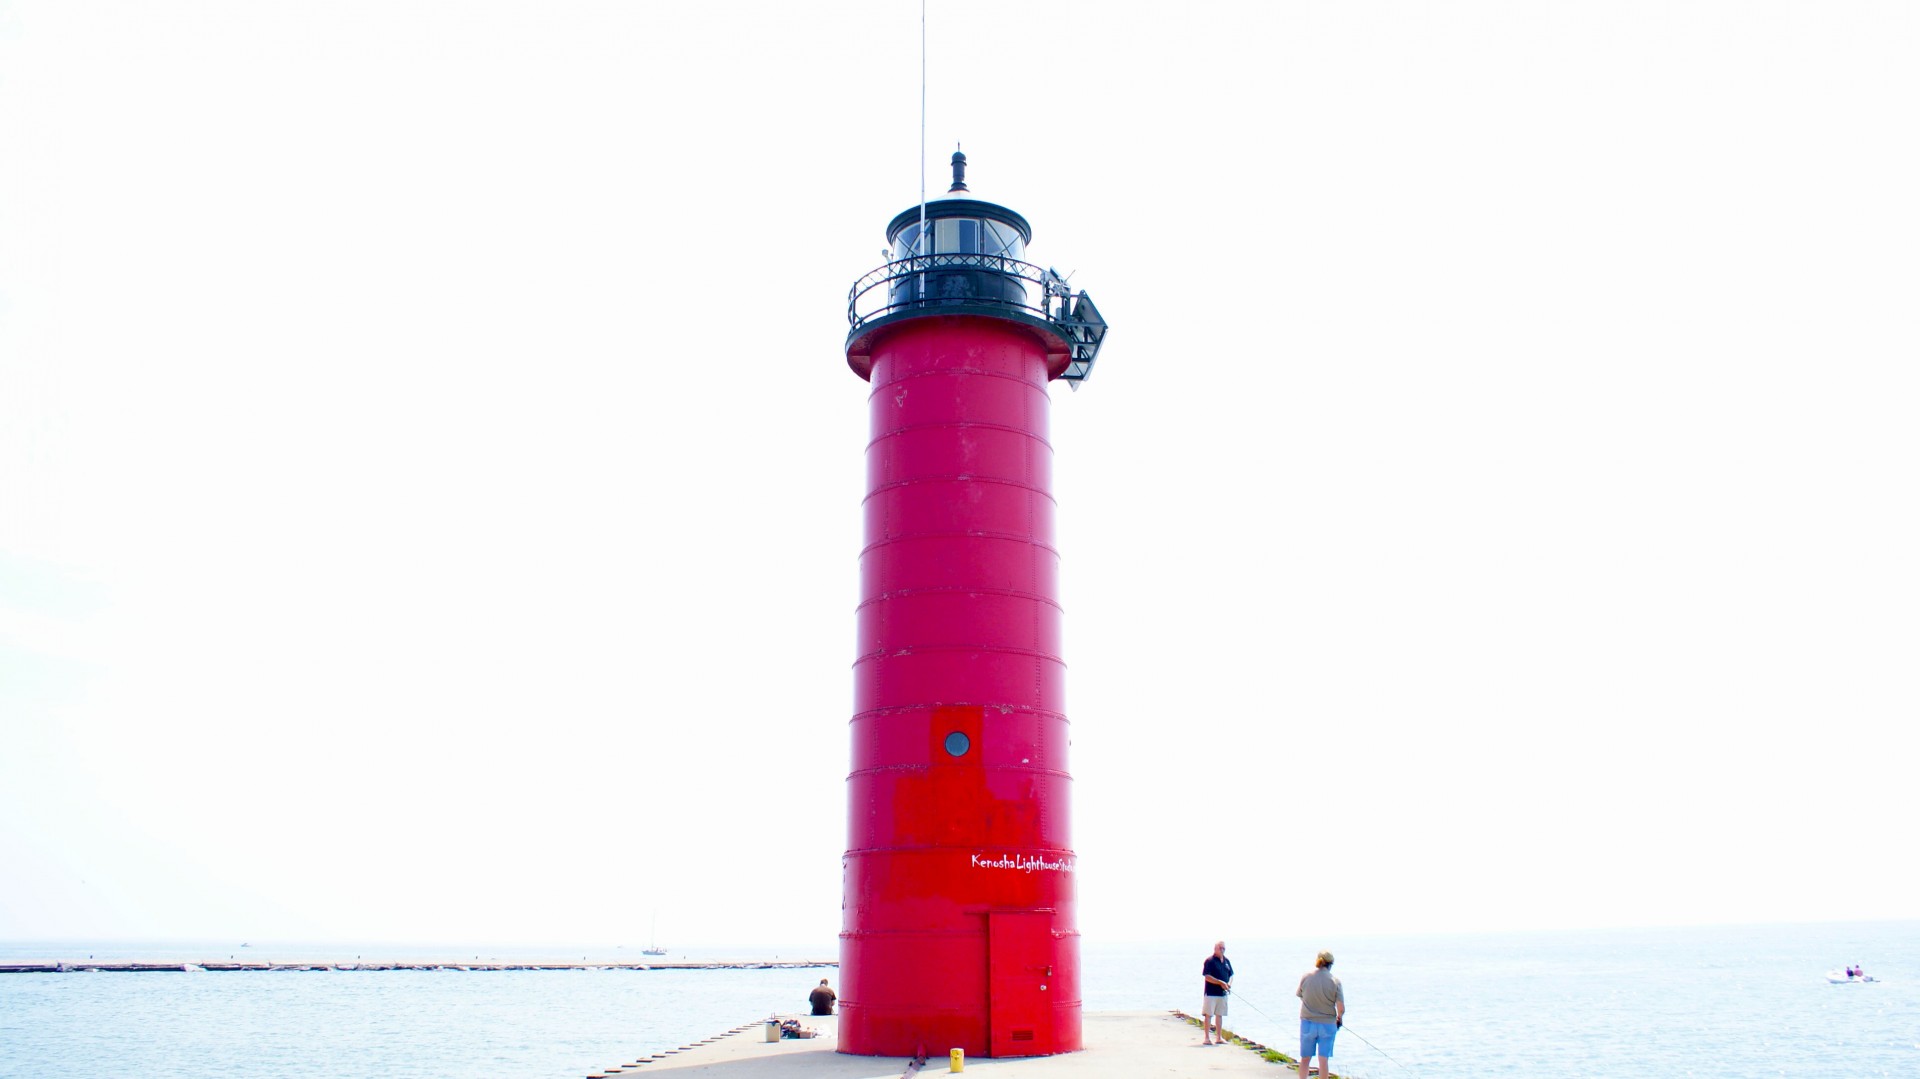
(1723, 1001)
(1746, 1001)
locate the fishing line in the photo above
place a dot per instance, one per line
(1251, 1004)
(1343, 1026)
(1377, 1049)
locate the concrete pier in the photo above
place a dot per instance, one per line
(1117, 1043)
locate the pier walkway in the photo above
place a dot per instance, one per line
(1118, 1043)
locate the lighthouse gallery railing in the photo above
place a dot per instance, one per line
(987, 283)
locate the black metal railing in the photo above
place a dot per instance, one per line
(941, 280)
(982, 283)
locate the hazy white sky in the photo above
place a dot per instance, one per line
(429, 473)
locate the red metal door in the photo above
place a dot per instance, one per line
(1019, 974)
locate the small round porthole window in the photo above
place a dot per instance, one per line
(957, 744)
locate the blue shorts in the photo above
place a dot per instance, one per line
(1316, 1039)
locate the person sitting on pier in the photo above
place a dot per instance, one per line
(822, 998)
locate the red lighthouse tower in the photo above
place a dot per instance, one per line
(958, 913)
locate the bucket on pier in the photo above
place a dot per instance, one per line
(773, 1030)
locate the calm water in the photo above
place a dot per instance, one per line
(1726, 1001)
(367, 1023)
(1745, 1001)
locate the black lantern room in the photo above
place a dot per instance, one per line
(960, 255)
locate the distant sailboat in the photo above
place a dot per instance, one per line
(653, 946)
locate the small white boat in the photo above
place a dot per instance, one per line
(1841, 977)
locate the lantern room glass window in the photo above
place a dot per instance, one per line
(962, 236)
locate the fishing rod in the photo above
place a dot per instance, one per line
(1251, 1004)
(1342, 1025)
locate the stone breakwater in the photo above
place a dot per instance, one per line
(180, 968)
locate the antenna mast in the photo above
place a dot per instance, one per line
(923, 127)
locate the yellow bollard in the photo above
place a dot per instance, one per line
(956, 1060)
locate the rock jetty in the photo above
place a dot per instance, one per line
(181, 968)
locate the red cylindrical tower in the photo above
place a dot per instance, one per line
(958, 916)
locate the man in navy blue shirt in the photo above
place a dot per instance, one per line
(1213, 1006)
